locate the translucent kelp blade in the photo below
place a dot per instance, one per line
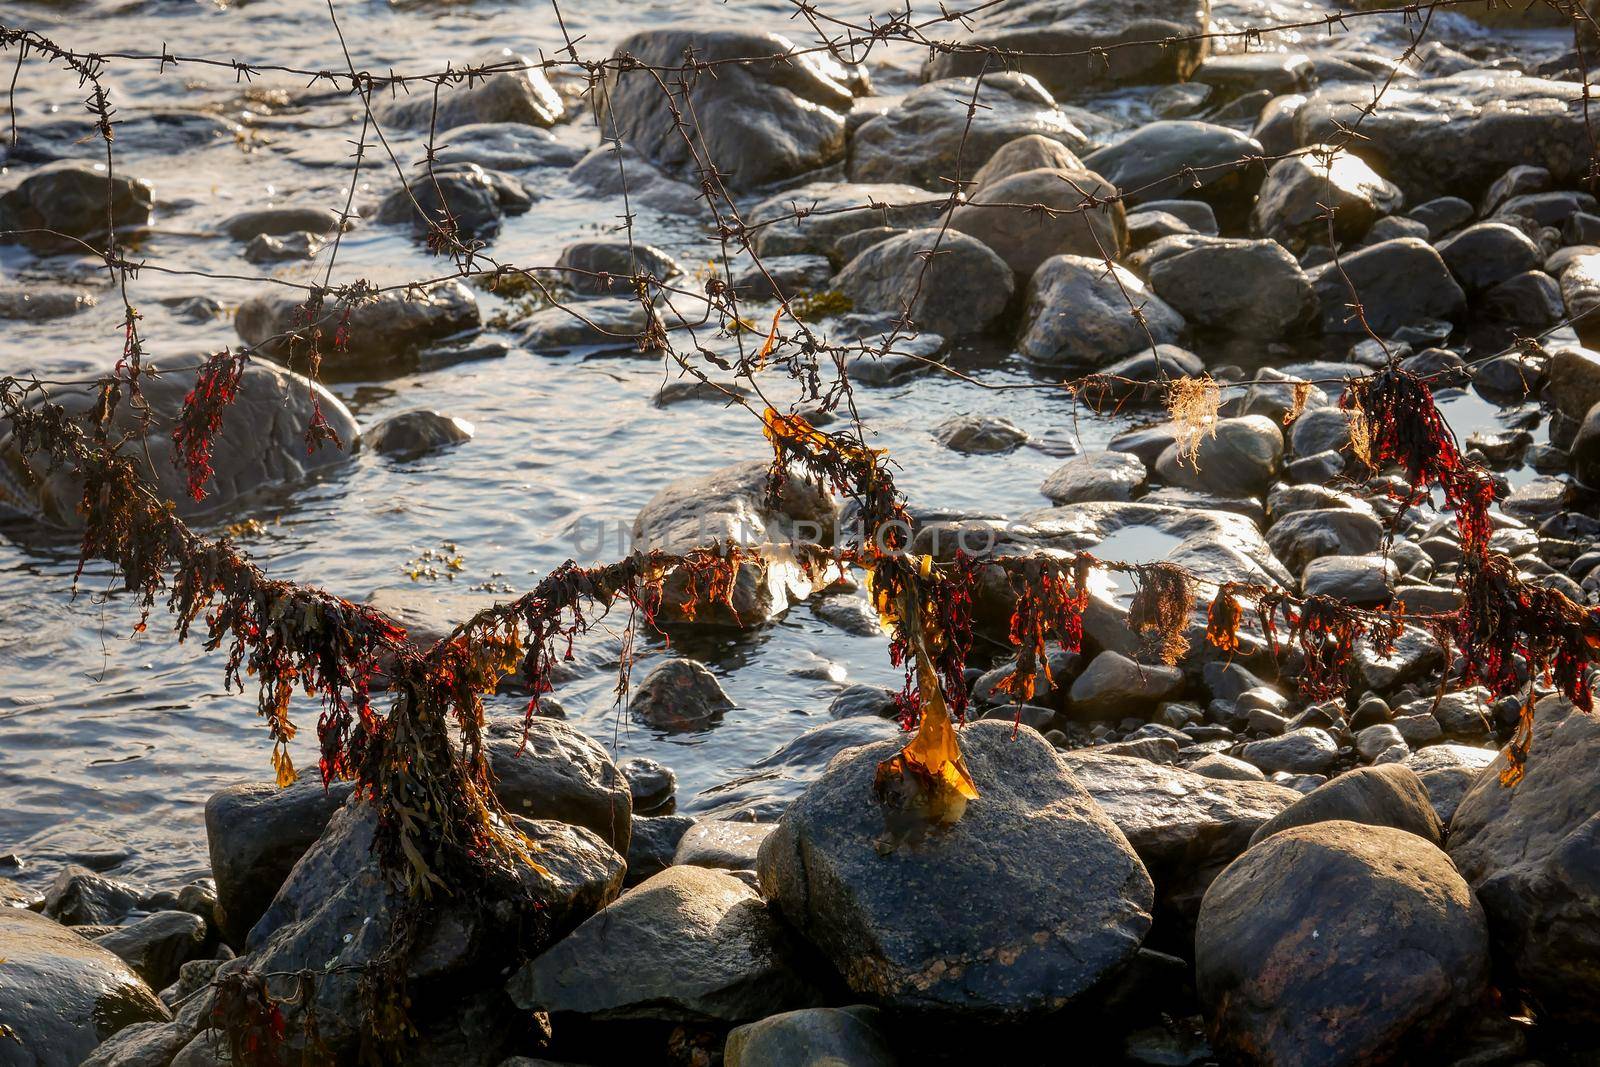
(935, 749)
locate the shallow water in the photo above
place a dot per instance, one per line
(111, 741)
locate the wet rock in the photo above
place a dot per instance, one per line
(1448, 772)
(503, 146)
(784, 277)
(811, 1037)
(139, 1045)
(1580, 293)
(1078, 312)
(800, 100)
(981, 434)
(1320, 429)
(1146, 165)
(775, 779)
(928, 136)
(1252, 288)
(1185, 826)
(281, 222)
(81, 897)
(1399, 282)
(1529, 853)
(1226, 768)
(677, 695)
(688, 945)
(459, 199)
(1025, 239)
(722, 844)
(382, 333)
(157, 945)
(1113, 686)
(1290, 207)
(836, 211)
(1100, 476)
(1279, 72)
(1302, 536)
(1442, 214)
(547, 769)
(1485, 255)
(256, 833)
(654, 844)
(1034, 835)
(651, 784)
(1035, 151)
(601, 173)
(1142, 377)
(1042, 29)
(262, 442)
(1307, 750)
(294, 246)
(337, 911)
(617, 324)
(732, 503)
(1387, 795)
(1415, 653)
(1365, 580)
(849, 613)
(602, 268)
(1338, 943)
(1238, 459)
(71, 201)
(1463, 714)
(1547, 209)
(61, 994)
(35, 304)
(871, 700)
(962, 287)
(414, 433)
(1531, 299)
(518, 92)
(1375, 742)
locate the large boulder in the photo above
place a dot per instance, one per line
(517, 92)
(1530, 853)
(1154, 163)
(811, 1037)
(929, 140)
(1402, 282)
(946, 282)
(732, 504)
(61, 994)
(157, 945)
(900, 926)
(460, 199)
(1186, 827)
(1047, 28)
(262, 442)
(778, 114)
(1448, 773)
(1080, 310)
(815, 218)
(1033, 152)
(1483, 256)
(1338, 943)
(1233, 285)
(70, 202)
(1238, 457)
(546, 769)
(1292, 206)
(1025, 237)
(382, 333)
(1390, 794)
(688, 945)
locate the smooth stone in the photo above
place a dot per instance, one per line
(654, 844)
(1290, 208)
(1399, 283)
(1114, 686)
(811, 1037)
(1034, 151)
(72, 200)
(679, 695)
(722, 844)
(519, 92)
(1367, 581)
(979, 434)
(1234, 285)
(381, 333)
(1304, 751)
(1236, 457)
(1147, 164)
(1484, 255)
(832, 212)
(1390, 794)
(1077, 311)
(651, 784)
(414, 433)
(504, 146)
(546, 769)
(1099, 476)
(963, 287)
(157, 945)
(1061, 225)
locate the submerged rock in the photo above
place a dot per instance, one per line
(70, 200)
(900, 927)
(381, 334)
(946, 282)
(979, 434)
(413, 433)
(679, 695)
(1079, 312)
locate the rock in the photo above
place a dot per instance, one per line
(1447, 772)
(139, 1045)
(1025, 239)
(1455, 135)
(1531, 299)
(1113, 686)
(281, 222)
(945, 281)
(1548, 209)
(414, 433)
(1146, 374)
(80, 897)
(1364, 580)
(1239, 458)
(688, 945)
(262, 442)
(677, 695)
(1518, 181)
(503, 146)
(1033, 835)
(61, 994)
(35, 304)
(1078, 312)
(336, 913)
(1149, 163)
(928, 137)
(1185, 826)
(1238, 286)
(384, 334)
(654, 844)
(1528, 852)
(981, 434)
(1442, 214)
(651, 784)
(602, 173)
(1035, 151)
(1485, 255)
(1376, 740)
(1040, 30)
(758, 121)
(295, 246)
(722, 844)
(1302, 536)
(518, 92)
(70, 200)
(1303, 751)
(870, 700)
(1290, 208)
(811, 1037)
(1464, 713)
(157, 945)
(600, 268)
(1338, 943)
(460, 199)
(848, 612)
(1226, 768)
(1100, 476)
(784, 276)
(1387, 795)
(732, 504)
(618, 324)
(834, 212)
(1415, 653)
(1400, 283)
(256, 833)
(550, 770)
(1279, 72)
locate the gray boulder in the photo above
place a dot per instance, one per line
(281, 222)
(654, 844)
(1025, 238)
(899, 926)
(1239, 459)
(1032, 152)
(1400, 283)
(1307, 750)
(1114, 686)
(981, 434)
(1365, 580)
(811, 1037)
(815, 218)
(722, 844)
(413, 433)
(1291, 206)
(382, 333)
(1387, 795)
(1485, 255)
(1078, 311)
(461, 199)
(607, 268)
(157, 945)
(1149, 164)
(1234, 285)
(1300, 537)
(549, 770)
(945, 281)
(1099, 476)
(80, 897)
(70, 201)
(1448, 771)
(518, 92)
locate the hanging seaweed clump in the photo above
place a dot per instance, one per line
(1159, 611)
